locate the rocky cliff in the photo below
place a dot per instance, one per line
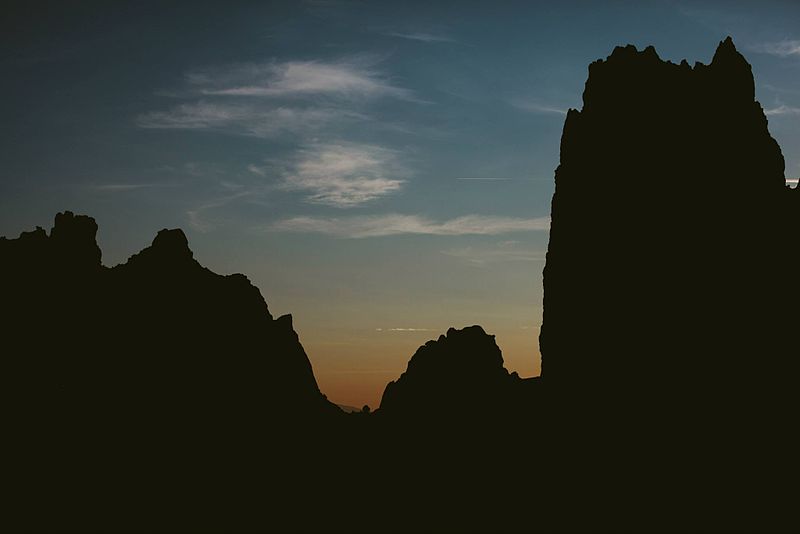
(672, 230)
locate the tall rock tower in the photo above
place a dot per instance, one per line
(670, 241)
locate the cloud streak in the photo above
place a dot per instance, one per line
(422, 37)
(782, 110)
(784, 48)
(404, 329)
(348, 78)
(120, 188)
(501, 252)
(277, 98)
(358, 227)
(245, 120)
(533, 106)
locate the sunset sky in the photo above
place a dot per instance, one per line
(380, 170)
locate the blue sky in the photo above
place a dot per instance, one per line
(381, 170)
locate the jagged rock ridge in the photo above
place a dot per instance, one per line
(158, 339)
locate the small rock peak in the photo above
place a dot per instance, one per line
(474, 331)
(38, 233)
(733, 70)
(726, 53)
(69, 225)
(171, 239)
(239, 277)
(620, 53)
(285, 321)
(627, 52)
(172, 243)
(169, 250)
(651, 52)
(76, 236)
(726, 46)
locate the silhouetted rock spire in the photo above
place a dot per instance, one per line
(670, 228)
(74, 239)
(732, 71)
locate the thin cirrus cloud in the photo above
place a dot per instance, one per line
(358, 227)
(501, 252)
(782, 110)
(422, 37)
(347, 78)
(533, 106)
(343, 175)
(276, 98)
(126, 187)
(242, 119)
(783, 48)
(404, 329)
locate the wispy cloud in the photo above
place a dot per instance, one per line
(404, 329)
(423, 37)
(500, 252)
(784, 48)
(534, 106)
(271, 99)
(245, 119)
(397, 224)
(255, 169)
(354, 77)
(127, 187)
(782, 110)
(197, 218)
(344, 175)
(484, 179)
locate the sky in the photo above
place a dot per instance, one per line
(380, 170)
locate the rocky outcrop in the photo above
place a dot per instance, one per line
(156, 340)
(459, 375)
(671, 233)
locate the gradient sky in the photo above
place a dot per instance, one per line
(381, 170)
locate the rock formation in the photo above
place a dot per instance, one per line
(669, 354)
(460, 375)
(671, 236)
(150, 336)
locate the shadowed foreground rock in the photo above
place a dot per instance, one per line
(156, 385)
(150, 336)
(672, 231)
(669, 351)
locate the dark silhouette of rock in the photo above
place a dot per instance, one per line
(155, 379)
(669, 234)
(459, 375)
(669, 355)
(159, 323)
